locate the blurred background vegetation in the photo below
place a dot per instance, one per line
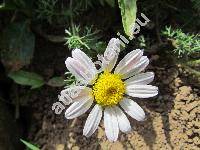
(173, 31)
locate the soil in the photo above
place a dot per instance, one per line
(172, 118)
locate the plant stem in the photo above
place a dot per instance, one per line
(71, 16)
(191, 71)
(158, 26)
(193, 62)
(17, 103)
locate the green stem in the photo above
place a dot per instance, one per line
(17, 103)
(83, 43)
(193, 62)
(192, 71)
(71, 16)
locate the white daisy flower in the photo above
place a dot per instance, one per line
(110, 90)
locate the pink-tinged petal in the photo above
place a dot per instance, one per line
(111, 54)
(81, 72)
(129, 61)
(84, 60)
(137, 68)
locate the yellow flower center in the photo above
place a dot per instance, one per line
(108, 89)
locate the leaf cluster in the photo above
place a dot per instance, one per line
(196, 4)
(53, 11)
(87, 39)
(185, 44)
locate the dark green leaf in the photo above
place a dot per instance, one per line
(29, 145)
(27, 78)
(17, 45)
(56, 82)
(128, 12)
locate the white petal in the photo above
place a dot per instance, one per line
(111, 54)
(84, 60)
(128, 62)
(78, 108)
(111, 124)
(124, 124)
(142, 91)
(74, 93)
(142, 78)
(76, 69)
(81, 72)
(133, 109)
(92, 121)
(137, 68)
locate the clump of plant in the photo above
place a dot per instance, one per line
(69, 79)
(186, 47)
(185, 44)
(52, 11)
(88, 40)
(196, 4)
(143, 42)
(46, 9)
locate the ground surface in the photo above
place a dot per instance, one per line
(172, 118)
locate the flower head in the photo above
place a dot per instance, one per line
(108, 89)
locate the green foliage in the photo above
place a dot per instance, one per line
(70, 79)
(17, 45)
(196, 4)
(10, 5)
(185, 44)
(24, 6)
(109, 2)
(27, 78)
(52, 11)
(17, 40)
(46, 9)
(87, 39)
(83, 5)
(128, 12)
(142, 41)
(165, 12)
(56, 82)
(29, 145)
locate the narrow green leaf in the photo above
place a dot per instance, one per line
(128, 12)
(27, 78)
(56, 82)
(29, 145)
